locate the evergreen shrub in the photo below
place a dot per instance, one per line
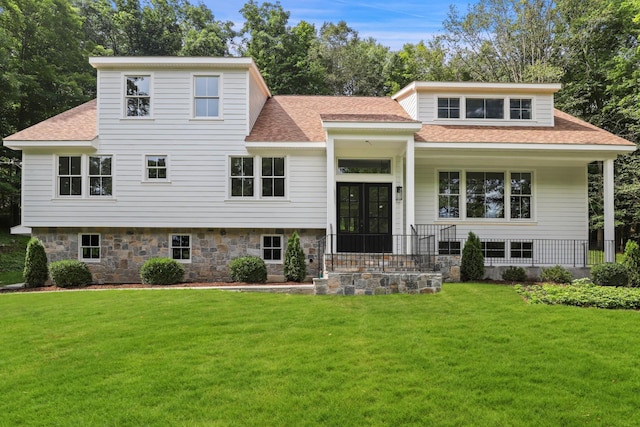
(69, 273)
(35, 271)
(556, 274)
(472, 264)
(295, 268)
(610, 274)
(249, 269)
(631, 260)
(161, 271)
(514, 274)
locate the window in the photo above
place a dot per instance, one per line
(138, 96)
(485, 195)
(449, 247)
(100, 179)
(520, 109)
(181, 247)
(89, 247)
(69, 176)
(376, 166)
(448, 108)
(242, 176)
(206, 96)
(272, 248)
(156, 168)
(485, 108)
(521, 249)
(449, 195)
(493, 249)
(520, 195)
(273, 176)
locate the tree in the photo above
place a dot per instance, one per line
(35, 272)
(295, 268)
(203, 35)
(472, 264)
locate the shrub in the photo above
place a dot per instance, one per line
(295, 268)
(631, 260)
(610, 274)
(514, 274)
(35, 264)
(250, 269)
(161, 271)
(69, 272)
(556, 274)
(472, 264)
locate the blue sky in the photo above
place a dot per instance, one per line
(391, 23)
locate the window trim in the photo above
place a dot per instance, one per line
(273, 177)
(145, 170)
(257, 179)
(85, 193)
(58, 176)
(124, 96)
(89, 176)
(81, 247)
(193, 96)
(190, 247)
(448, 108)
(263, 248)
(521, 98)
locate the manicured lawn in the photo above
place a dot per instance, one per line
(471, 355)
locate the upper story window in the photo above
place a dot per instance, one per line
(100, 178)
(520, 109)
(242, 176)
(448, 108)
(273, 177)
(485, 108)
(69, 176)
(138, 96)
(206, 96)
(156, 168)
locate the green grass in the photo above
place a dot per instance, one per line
(12, 252)
(470, 355)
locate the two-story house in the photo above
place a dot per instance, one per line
(194, 159)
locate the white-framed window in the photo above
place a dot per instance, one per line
(206, 96)
(69, 176)
(364, 166)
(449, 194)
(89, 247)
(241, 176)
(484, 108)
(180, 247)
(485, 194)
(272, 248)
(520, 109)
(272, 177)
(521, 194)
(137, 98)
(156, 168)
(448, 108)
(100, 176)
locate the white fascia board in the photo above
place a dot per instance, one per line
(24, 145)
(168, 61)
(476, 87)
(375, 126)
(286, 145)
(528, 147)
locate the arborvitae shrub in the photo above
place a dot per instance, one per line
(631, 260)
(295, 268)
(249, 269)
(610, 274)
(69, 272)
(556, 274)
(161, 271)
(35, 264)
(514, 274)
(472, 264)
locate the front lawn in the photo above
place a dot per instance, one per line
(473, 354)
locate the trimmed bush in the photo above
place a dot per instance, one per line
(295, 268)
(161, 271)
(631, 260)
(514, 274)
(35, 264)
(556, 274)
(472, 264)
(68, 273)
(249, 269)
(610, 274)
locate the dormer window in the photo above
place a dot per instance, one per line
(485, 108)
(520, 109)
(138, 96)
(448, 108)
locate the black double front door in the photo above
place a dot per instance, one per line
(364, 217)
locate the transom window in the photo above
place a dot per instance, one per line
(181, 247)
(156, 167)
(273, 176)
(70, 176)
(138, 96)
(89, 247)
(448, 108)
(520, 109)
(100, 179)
(272, 248)
(485, 108)
(206, 96)
(375, 166)
(242, 176)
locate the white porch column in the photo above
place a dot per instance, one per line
(331, 188)
(410, 187)
(609, 212)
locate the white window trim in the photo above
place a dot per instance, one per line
(286, 180)
(145, 176)
(257, 180)
(182, 261)
(56, 179)
(84, 173)
(507, 197)
(463, 108)
(282, 248)
(123, 95)
(220, 115)
(88, 181)
(89, 260)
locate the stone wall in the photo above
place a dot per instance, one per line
(378, 283)
(123, 251)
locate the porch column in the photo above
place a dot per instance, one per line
(410, 185)
(331, 188)
(609, 212)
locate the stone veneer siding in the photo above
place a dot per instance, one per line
(123, 251)
(378, 283)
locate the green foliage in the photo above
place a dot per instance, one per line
(514, 274)
(35, 264)
(631, 260)
(472, 264)
(610, 274)
(161, 271)
(582, 295)
(12, 252)
(295, 268)
(249, 269)
(556, 274)
(70, 273)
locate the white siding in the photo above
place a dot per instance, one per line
(257, 98)
(410, 105)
